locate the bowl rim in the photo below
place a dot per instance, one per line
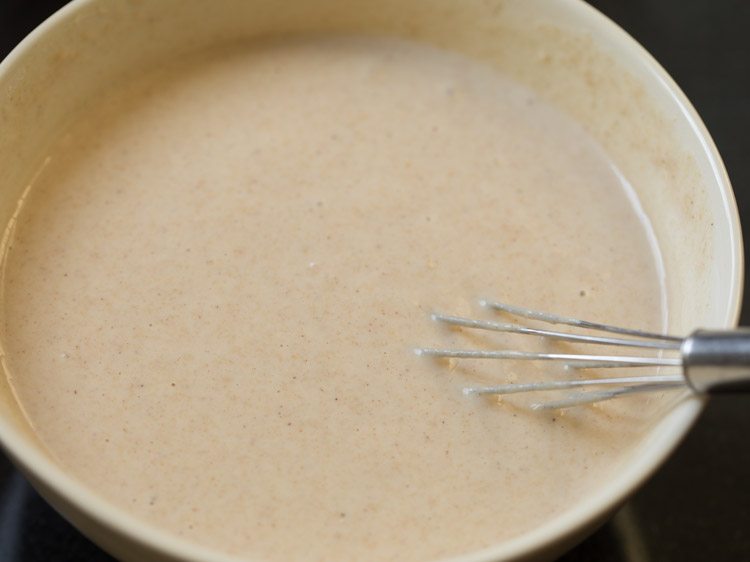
(663, 439)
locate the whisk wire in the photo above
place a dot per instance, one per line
(623, 385)
(558, 385)
(586, 324)
(587, 360)
(582, 398)
(660, 343)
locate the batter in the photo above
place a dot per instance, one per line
(216, 283)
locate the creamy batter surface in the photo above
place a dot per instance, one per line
(215, 286)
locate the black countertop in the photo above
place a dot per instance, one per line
(697, 506)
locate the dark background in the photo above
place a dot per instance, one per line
(697, 507)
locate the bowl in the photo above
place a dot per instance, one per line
(566, 51)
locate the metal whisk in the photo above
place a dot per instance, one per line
(708, 361)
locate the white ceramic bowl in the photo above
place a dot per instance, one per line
(565, 50)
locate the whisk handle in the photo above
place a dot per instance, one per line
(717, 361)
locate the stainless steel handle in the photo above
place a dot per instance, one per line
(717, 361)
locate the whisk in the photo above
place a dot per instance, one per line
(708, 361)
